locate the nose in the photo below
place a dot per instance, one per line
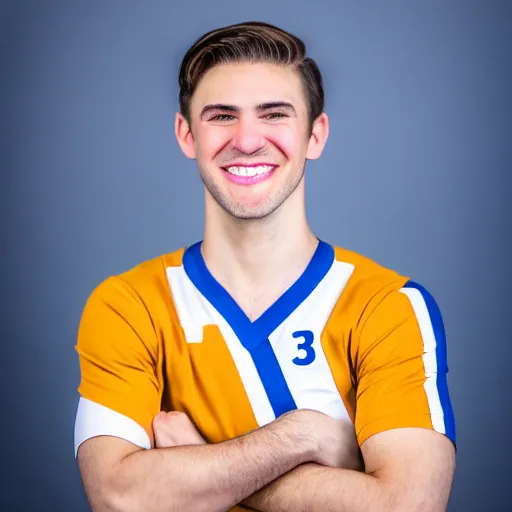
(248, 137)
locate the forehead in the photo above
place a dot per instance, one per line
(249, 84)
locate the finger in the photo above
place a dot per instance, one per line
(159, 418)
(176, 414)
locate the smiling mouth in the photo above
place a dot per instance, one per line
(249, 175)
(249, 170)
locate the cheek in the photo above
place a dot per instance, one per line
(288, 141)
(211, 141)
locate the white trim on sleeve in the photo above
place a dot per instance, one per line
(93, 419)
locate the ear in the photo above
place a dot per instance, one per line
(318, 138)
(184, 136)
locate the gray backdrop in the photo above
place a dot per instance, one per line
(416, 175)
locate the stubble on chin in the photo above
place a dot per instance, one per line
(244, 211)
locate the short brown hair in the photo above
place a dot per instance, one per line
(250, 42)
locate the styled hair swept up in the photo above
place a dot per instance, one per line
(250, 42)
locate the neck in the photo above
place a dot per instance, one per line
(246, 253)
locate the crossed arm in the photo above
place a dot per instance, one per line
(270, 469)
(408, 470)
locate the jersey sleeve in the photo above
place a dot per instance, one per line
(401, 366)
(118, 353)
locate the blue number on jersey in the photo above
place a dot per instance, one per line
(306, 346)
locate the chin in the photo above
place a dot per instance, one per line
(250, 212)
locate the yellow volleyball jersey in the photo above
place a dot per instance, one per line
(349, 338)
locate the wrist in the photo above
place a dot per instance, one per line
(294, 427)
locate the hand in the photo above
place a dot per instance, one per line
(175, 428)
(334, 441)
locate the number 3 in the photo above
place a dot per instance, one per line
(306, 346)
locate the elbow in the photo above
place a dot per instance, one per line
(396, 497)
(109, 498)
(122, 497)
(414, 504)
(113, 500)
(393, 498)
(113, 494)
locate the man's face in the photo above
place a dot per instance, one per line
(250, 132)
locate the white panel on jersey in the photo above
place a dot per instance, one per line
(93, 419)
(189, 300)
(429, 357)
(312, 386)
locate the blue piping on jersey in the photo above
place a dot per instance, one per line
(254, 335)
(441, 358)
(272, 378)
(250, 333)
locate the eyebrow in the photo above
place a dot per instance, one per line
(259, 108)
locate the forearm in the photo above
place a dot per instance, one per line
(209, 477)
(311, 487)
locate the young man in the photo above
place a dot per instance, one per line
(247, 370)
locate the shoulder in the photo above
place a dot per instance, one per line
(369, 282)
(374, 289)
(129, 309)
(366, 269)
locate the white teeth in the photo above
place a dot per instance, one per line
(249, 171)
